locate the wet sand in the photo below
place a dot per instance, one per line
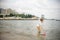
(10, 35)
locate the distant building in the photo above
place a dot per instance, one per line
(3, 12)
(42, 16)
(7, 11)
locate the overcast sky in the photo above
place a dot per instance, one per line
(50, 8)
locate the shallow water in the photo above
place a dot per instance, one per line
(51, 27)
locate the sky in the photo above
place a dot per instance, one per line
(49, 8)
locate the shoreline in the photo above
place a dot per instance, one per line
(19, 19)
(16, 36)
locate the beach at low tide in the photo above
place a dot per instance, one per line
(7, 34)
(26, 30)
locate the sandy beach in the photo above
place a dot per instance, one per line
(12, 36)
(8, 34)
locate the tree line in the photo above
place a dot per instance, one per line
(18, 15)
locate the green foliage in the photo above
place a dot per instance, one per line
(19, 15)
(1, 16)
(11, 15)
(24, 15)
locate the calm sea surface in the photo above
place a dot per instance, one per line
(51, 27)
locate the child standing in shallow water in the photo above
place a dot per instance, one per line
(39, 30)
(40, 35)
